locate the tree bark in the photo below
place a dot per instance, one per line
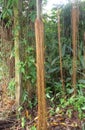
(74, 43)
(17, 54)
(39, 33)
(42, 125)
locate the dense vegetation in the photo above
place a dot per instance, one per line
(18, 51)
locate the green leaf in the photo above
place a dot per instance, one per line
(48, 96)
(52, 70)
(63, 50)
(83, 108)
(23, 122)
(20, 108)
(54, 61)
(33, 128)
(70, 90)
(82, 81)
(57, 110)
(9, 12)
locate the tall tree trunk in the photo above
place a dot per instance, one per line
(84, 55)
(74, 42)
(39, 32)
(60, 54)
(17, 53)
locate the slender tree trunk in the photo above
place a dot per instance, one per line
(84, 46)
(74, 42)
(17, 54)
(84, 54)
(60, 54)
(39, 32)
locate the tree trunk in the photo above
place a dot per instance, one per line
(39, 32)
(60, 54)
(40, 75)
(17, 54)
(74, 43)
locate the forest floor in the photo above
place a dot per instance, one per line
(10, 121)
